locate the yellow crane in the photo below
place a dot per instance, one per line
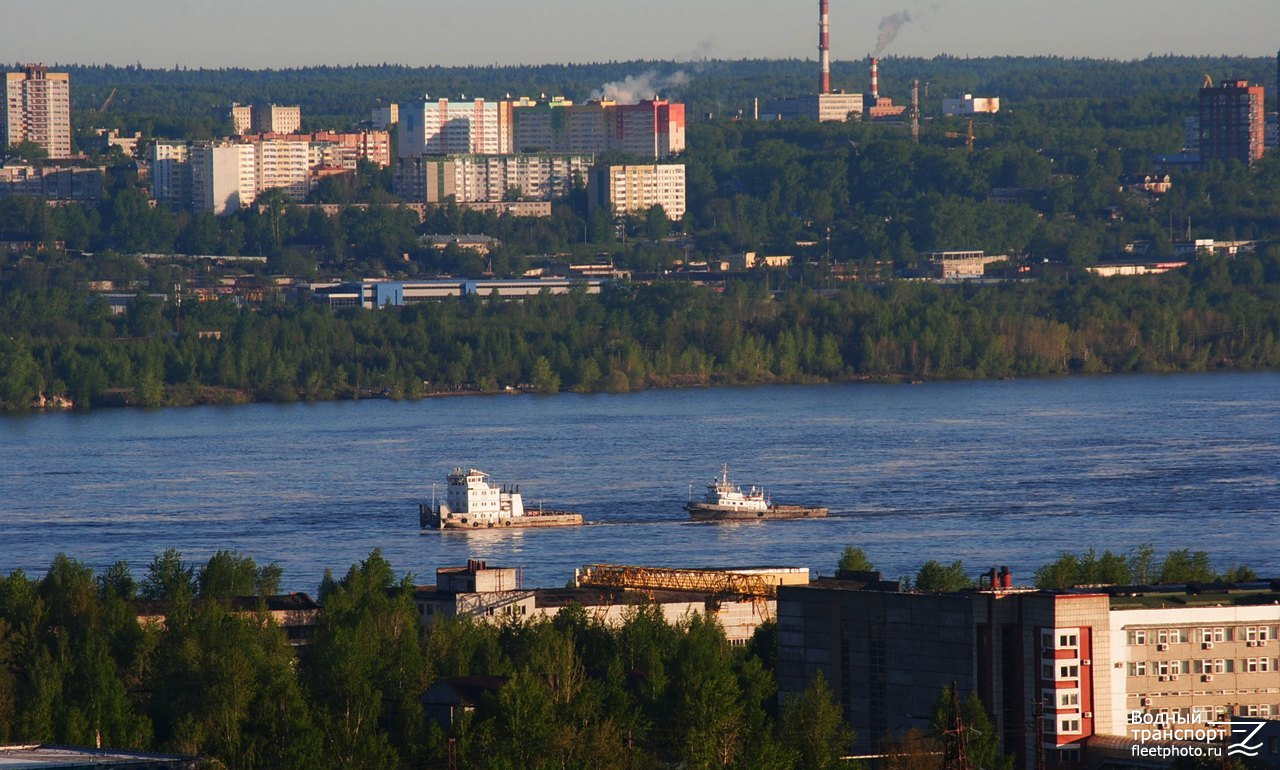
(967, 136)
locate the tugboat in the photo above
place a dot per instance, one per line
(728, 502)
(471, 502)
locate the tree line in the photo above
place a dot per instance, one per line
(56, 340)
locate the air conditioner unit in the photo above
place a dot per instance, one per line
(1086, 662)
(1251, 644)
(1164, 678)
(1120, 665)
(1173, 677)
(1207, 678)
(1207, 646)
(1161, 647)
(1088, 715)
(1146, 701)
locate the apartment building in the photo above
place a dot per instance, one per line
(171, 173)
(489, 178)
(223, 176)
(630, 189)
(1232, 122)
(277, 119)
(1063, 674)
(284, 164)
(652, 128)
(442, 127)
(37, 108)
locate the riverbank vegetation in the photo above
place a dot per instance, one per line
(1219, 313)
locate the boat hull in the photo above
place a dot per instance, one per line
(429, 518)
(708, 512)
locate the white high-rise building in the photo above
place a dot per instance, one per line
(634, 189)
(448, 128)
(283, 163)
(171, 173)
(223, 177)
(37, 108)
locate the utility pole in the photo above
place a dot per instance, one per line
(915, 111)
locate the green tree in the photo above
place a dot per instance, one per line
(936, 576)
(812, 727)
(854, 559)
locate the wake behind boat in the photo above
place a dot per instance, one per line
(471, 502)
(725, 501)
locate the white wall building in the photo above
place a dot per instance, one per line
(971, 105)
(37, 108)
(446, 128)
(171, 173)
(487, 178)
(285, 164)
(634, 189)
(223, 177)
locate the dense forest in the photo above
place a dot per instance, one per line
(216, 680)
(848, 201)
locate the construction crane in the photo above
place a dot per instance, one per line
(967, 136)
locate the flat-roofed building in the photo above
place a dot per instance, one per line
(490, 178)
(835, 107)
(283, 164)
(442, 127)
(277, 119)
(1232, 122)
(971, 105)
(223, 177)
(37, 108)
(629, 189)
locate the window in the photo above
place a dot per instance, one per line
(1068, 725)
(1067, 640)
(1069, 698)
(1138, 669)
(1068, 672)
(1046, 671)
(1138, 636)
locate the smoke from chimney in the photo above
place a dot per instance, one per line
(889, 27)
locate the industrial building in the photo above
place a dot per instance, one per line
(1232, 122)
(37, 108)
(634, 189)
(826, 105)
(739, 599)
(372, 294)
(969, 105)
(1061, 673)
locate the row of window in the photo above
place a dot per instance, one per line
(1204, 666)
(1140, 636)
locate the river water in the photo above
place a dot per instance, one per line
(994, 473)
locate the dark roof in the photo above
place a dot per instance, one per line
(295, 602)
(467, 689)
(594, 597)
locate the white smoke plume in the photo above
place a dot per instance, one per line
(889, 27)
(634, 88)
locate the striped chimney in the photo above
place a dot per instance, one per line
(875, 78)
(824, 48)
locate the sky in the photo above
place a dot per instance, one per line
(291, 33)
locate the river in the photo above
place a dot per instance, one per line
(994, 473)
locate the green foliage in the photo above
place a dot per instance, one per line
(936, 576)
(981, 741)
(813, 727)
(1139, 567)
(854, 559)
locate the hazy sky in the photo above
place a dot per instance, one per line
(290, 33)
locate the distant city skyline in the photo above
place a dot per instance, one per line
(288, 33)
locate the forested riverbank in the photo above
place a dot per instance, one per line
(56, 340)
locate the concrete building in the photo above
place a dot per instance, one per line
(37, 108)
(384, 117)
(442, 127)
(652, 128)
(1063, 673)
(826, 108)
(370, 294)
(223, 176)
(489, 178)
(960, 264)
(54, 183)
(971, 105)
(283, 164)
(635, 189)
(739, 599)
(241, 118)
(1232, 122)
(277, 119)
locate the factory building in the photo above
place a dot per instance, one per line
(1062, 674)
(739, 599)
(827, 105)
(969, 104)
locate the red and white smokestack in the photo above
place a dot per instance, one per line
(875, 78)
(824, 49)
